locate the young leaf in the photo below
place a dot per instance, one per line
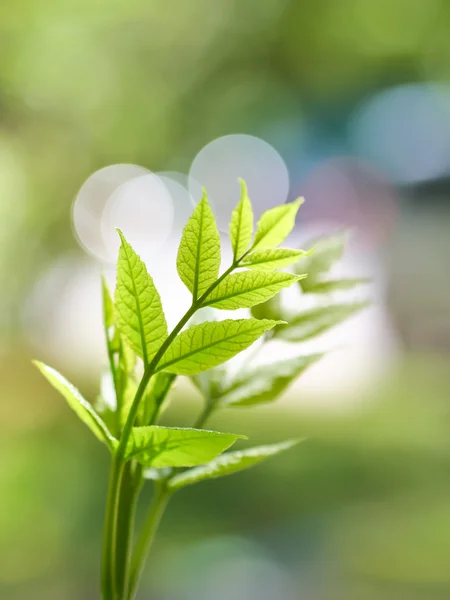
(207, 345)
(270, 309)
(161, 447)
(108, 306)
(154, 401)
(265, 383)
(247, 288)
(229, 463)
(77, 403)
(198, 259)
(335, 285)
(241, 226)
(313, 322)
(139, 312)
(268, 260)
(275, 225)
(325, 252)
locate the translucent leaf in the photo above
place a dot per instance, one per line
(207, 345)
(247, 288)
(270, 259)
(241, 226)
(154, 401)
(336, 285)
(275, 225)
(108, 306)
(77, 403)
(313, 322)
(265, 383)
(228, 464)
(161, 447)
(139, 312)
(270, 309)
(325, 253)
(198, 259)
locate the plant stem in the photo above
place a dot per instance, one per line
(129, 493)
(118, 463)
(204, 415)
(108, 560)
(157, 508)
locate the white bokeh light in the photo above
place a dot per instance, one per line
(142, 208)
(405, 131)
(220, 164)
(90, 203)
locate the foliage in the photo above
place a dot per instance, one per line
(145, 359)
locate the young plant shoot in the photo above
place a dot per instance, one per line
(138, 341)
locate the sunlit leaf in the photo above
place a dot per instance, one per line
(265, 383)
(77, 403)
(313, 322)
(241, 226)
(247, 288)
(336, 285)
(161, 447)
(272, 258)
(325, 252)
(198, 259)
(139, 312)
(207, 345)
(275, 225)
(228, 464)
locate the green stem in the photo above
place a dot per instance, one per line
(147, 536)
(204, 415)
(129, 493)
(108, 561)
(118, 464)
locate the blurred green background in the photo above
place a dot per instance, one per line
(355, 97)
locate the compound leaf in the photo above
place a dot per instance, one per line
(228, 464)
(77, 403)
(139, 311)
(265, 383)
(241, 226)
(270, 259)
(210, 344)
(275, 225)
(313, 322)
(161, 447)
(247, 288)
(198, 259)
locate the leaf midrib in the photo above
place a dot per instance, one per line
(139, 312)
(248, 290)
(197, 262)
(163, 366)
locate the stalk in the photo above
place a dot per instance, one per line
(145, 541)
(109, 588)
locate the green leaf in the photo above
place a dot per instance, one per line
(108, 306)
(241, 226)
(247, 288)
(336, 285)
(275, 225)
(228, 464)
(139, 312)
(198, 259)
(154, 401)
(268, 260)
(207, 345)
(265, 383)
(161, 447)
(270, 309)
(82, 407)
(313, 322)
(325, 252)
